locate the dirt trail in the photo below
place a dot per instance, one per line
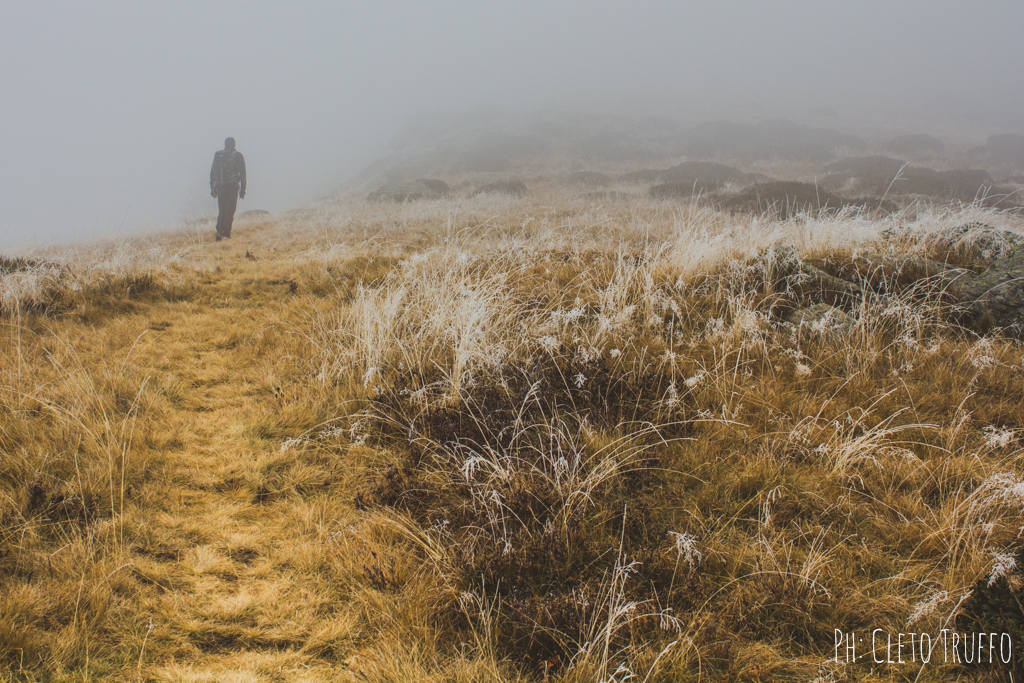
(216, 547)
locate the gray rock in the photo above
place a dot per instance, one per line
(804, 276)
(829, 317)
(254, 213)
(984, 239)
(993, 298)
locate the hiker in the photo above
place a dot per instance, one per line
(227, 184)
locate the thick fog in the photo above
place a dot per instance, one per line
(110, 112)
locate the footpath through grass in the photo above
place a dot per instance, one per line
(198, 549)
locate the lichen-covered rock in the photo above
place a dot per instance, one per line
(995, 297)
(821, 316)
(992, 298)
(987, 241)
(808, 279)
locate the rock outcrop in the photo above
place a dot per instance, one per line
(822, 315)
(995, 297)
(991, 298)
(879, 176)
(785, 199)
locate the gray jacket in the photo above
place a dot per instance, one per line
(228, 170)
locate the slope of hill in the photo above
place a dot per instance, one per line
(500, 438)
(716, 161)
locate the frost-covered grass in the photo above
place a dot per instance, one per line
(518, 439)
(613, 457)
(60, 279)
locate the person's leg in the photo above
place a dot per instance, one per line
(227, 212)
(228, 203)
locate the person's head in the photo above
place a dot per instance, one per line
(229, 143)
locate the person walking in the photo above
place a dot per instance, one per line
(227, 184)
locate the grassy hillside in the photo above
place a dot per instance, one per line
(499, 439)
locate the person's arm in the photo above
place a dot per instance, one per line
(213, 171)
(241, 176)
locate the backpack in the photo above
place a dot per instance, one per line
(227, 168)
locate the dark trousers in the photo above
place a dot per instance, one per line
(227, 199)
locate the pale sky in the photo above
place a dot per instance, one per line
(110, 111)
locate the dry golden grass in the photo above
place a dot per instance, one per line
(496, 439)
